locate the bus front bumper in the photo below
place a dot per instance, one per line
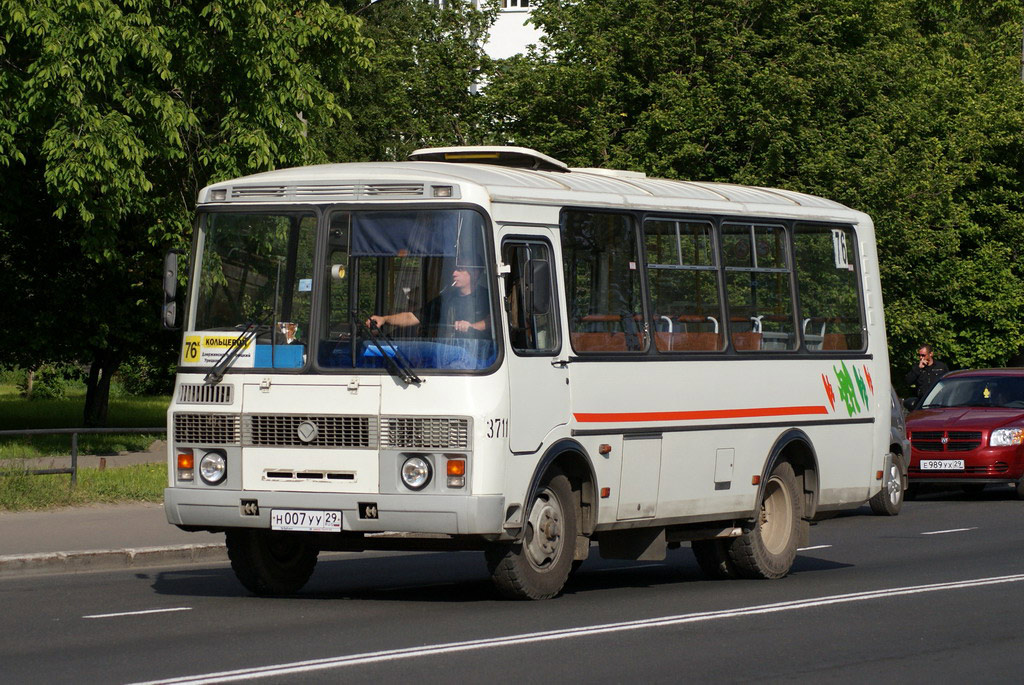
(411, 513)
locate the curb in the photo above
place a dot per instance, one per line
(109, 559)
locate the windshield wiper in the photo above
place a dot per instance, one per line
(396, 362)
(237, 345)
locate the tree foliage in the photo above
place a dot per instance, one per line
(421, 89)
(112, 116)
(910, 110)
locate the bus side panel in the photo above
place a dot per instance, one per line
(718, 420)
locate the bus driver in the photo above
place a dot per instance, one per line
(462, 308)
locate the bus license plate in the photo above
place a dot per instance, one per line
(942, 464)
(305, 520)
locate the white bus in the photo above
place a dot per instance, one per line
(481, 348)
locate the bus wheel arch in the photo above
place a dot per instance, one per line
(559, 513)
(779, 524)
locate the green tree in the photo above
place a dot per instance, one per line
(421, 89)
(907, 109)
(112, 116)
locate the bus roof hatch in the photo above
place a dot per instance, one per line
(517, 157)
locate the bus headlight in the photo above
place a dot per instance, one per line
(213, 467)
(416, 473)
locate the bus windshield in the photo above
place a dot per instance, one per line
(405, 287)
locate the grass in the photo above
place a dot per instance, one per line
(17, 413)
(19, 490)
(143, 483)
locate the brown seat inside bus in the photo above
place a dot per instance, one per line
(688, 342)
(599, 342)
(834, 341)
(746, 340)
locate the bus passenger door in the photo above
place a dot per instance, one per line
(538, 385)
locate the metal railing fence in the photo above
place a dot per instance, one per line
(74, 433)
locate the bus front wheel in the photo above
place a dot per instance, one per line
(537, 566)
(768, 549)
(268, 562)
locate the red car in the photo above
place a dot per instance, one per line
(969, 430)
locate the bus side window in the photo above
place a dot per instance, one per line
(602, 282)
(682, 274)
(529, 300)
(757, 283)
(827, 282)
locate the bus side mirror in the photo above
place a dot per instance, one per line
(170, 308)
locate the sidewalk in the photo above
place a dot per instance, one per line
(102, 536)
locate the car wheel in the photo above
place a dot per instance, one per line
(889, 500)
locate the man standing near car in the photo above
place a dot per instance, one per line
(926, 372)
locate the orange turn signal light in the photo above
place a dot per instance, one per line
(456, 467)
(186, 460)
(878, 475)
(756, 480)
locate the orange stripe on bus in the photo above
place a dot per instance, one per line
(706, 414)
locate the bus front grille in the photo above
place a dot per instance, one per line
(280, 430)
(206, 429)
(201, 393)
(418, 432)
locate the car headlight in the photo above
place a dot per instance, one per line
(1005, 437)
(416, 473)
(213, 467)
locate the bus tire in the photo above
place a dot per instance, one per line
(268, 562)
(889, 500)
(713, 558)
(768, 549)
(537, 566)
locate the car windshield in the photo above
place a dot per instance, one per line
(977, 391)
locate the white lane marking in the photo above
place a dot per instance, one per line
(298, 667)
(139, 613)
(951, 530)
(807, 549)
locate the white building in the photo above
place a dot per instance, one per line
(511, 34)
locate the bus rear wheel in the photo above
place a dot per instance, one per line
(270, 563)
(768, 549)
(713, 558)
(537, 566)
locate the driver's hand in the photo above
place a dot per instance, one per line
(462, 326)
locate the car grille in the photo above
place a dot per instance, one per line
(276, 430)
(955, 441)
(207, 429)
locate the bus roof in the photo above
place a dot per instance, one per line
(508, 174)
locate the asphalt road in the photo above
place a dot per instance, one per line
(933, 595)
